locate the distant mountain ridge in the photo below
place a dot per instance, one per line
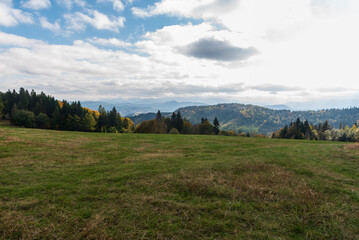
(138, 106)
(278, 107)
(237, 116)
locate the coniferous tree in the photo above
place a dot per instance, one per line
(326, 126)
(13, 112)
(179, 122)
(173, 121)
(216, 126)
(158, 115)
(283, 133)
(114, 119)
(55, 119)
(125, 123)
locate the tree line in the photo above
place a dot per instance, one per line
(322, 131)
(176, 124)
(33, 110)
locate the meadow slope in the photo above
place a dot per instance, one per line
(71, 185)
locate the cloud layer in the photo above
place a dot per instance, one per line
(249, 50)
(213, 49)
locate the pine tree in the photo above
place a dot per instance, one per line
(173, 121)
(13, 111)
(326, 126)
(125, 123)
(179, 122)
(216, 126)
(158, 115)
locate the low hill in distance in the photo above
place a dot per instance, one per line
(279, 107)
(76, 185)
(263, 120)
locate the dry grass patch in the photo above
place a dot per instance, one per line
(94, 228)
(11, 139)
(354, 146)
(155, 155)
(144, 147)
(15, 225)
(63, 144)
(260, 181)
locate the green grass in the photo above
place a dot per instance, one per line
(70, 185)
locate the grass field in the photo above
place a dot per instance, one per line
(71, 185)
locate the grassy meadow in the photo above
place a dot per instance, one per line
(72, 185)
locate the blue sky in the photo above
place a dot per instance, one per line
(253, 51)
(133, 28)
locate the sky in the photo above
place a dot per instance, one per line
(251, 51)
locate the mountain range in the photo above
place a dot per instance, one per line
(246, 117)
(138, 106)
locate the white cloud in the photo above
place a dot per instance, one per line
(251, 16)
(78, 21)
(112, 42)
(69, 3)
(53, 27)
(184, 8)
(18, 41)
(36, 4)
(10, 16)
(117, 4)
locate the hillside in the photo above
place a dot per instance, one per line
(264, 120)
(137, 119)
(73, 185)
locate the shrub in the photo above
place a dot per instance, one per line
(42, 121)
(112, 130)
(24, 118)
(174, 131)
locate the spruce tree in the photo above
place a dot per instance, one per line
(179, 122)
(158, 115)
(216, 126)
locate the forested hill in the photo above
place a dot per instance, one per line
(264, 120)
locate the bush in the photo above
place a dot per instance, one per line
(223, 133)
(206, 128)
(42, 121)
(232, 133)
(112, 130)
(24, 118)
(152, 126)
(174, 131)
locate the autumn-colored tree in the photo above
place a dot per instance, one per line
(88, 123)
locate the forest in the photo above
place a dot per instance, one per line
(33, 110)
(252, 118)
(322, 131)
